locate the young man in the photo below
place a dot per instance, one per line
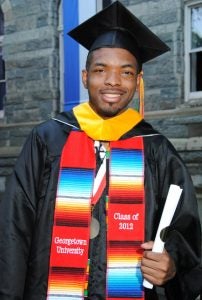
(88, 189)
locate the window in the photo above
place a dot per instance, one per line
(2, 68)
(193, 50)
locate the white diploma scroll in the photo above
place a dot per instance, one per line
(171, 203)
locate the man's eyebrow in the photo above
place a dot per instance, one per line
(128, 66)
(97, 64)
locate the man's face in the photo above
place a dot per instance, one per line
(111, 80)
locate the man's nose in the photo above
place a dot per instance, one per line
(113, 78)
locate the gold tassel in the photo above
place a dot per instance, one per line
(141, 94)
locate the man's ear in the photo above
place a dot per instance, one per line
(84, 78)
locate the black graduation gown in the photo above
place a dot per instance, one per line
(26, 215)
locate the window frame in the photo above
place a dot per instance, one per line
(195, 97)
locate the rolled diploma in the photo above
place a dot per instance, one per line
(171, 203)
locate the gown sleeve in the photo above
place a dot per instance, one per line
(183, 240)
(17, 218)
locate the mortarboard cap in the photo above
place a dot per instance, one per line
(116, 27)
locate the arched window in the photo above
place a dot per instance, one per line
(2, 67)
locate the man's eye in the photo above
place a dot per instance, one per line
(99, 70)
(128, 73)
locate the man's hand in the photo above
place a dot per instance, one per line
(157, 268)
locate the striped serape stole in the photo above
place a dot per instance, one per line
(70, 237)
(126, 214)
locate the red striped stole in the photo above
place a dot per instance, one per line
(126, 215)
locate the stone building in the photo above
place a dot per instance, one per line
(32, 82)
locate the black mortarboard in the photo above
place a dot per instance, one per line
(116, 26)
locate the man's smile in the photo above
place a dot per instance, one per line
(112, 96)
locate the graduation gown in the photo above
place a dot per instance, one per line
(26, 215)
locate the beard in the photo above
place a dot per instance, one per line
(107, 110)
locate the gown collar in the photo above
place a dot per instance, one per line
(101, 129)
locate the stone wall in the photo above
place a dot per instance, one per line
(30, 50)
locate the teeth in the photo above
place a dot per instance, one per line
(112, 95)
